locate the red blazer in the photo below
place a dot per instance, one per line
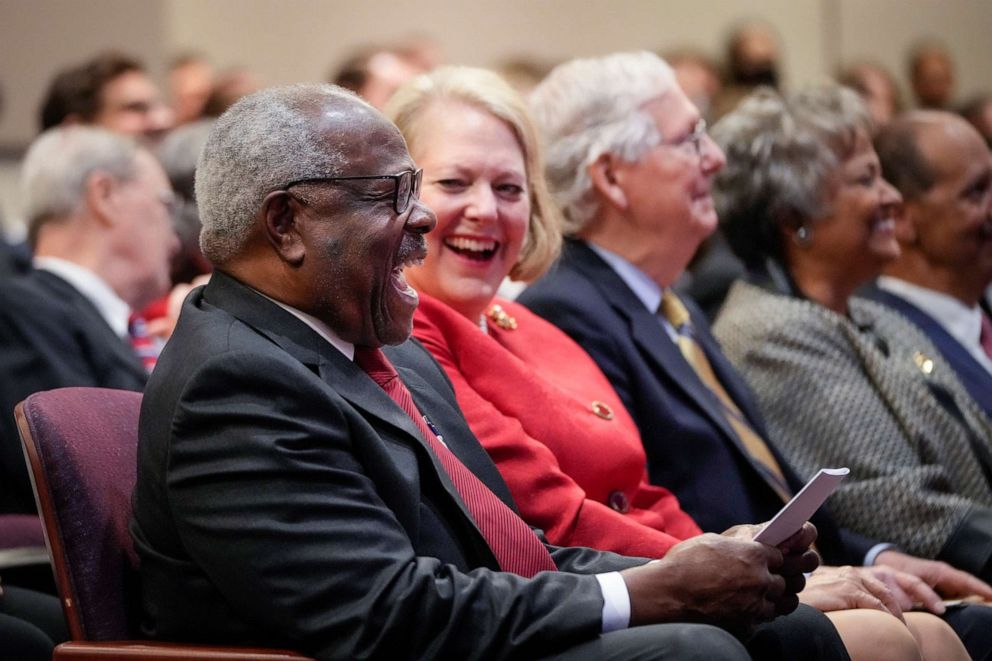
(531, 396)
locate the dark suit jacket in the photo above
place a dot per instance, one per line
(691, 447)
(284, 499)
(976, 380)
(51, 336)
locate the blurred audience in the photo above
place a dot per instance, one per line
(698, 76)
(191, 80)
(113, 91)
(375, 73)
(931, 76)
(634, 186)
(523, 73)
(843, 381)
(98, 209)
(943, 169)
(978, 111)
(877, 88)
(229, 86)
(752, 60)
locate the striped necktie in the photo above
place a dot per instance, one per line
(516, 547)
(677, 315)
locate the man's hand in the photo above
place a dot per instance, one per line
(841, 588)
(946, 580)
(728, 580)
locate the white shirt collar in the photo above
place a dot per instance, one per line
(319, 327)
(111, 307)
(961, 322)
(646, 289)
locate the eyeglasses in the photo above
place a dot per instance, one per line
(693, 140)
(406, 186)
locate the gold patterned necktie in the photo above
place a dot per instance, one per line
(677, 315)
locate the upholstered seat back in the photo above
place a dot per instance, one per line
(81, 445)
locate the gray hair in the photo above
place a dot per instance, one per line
(61, 160)
(259, 144)
(589, 107)
(782, 154)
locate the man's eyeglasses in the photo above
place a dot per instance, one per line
(692, 141)
(406, 185)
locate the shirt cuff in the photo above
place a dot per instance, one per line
(616, 601)
(872, 555)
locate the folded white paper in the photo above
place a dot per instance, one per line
(802, 506)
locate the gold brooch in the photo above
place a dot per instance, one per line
(602, 409)
(499, 317)
(924, 363)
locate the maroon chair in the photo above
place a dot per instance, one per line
(81, 447)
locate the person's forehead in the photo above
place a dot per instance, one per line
(952, 148)
(363, 139)
(130, 86)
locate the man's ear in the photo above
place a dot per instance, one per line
(281, 227)
(98, 193)
(603, 174)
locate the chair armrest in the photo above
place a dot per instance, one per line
(138, 650)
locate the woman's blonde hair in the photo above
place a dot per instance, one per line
(487, 91)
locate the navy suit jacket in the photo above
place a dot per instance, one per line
(976, 380)
(690, 446)
(51, 336)
(284, 499)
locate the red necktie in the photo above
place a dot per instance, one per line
(986, 337)
(516, 547)
(143, 344)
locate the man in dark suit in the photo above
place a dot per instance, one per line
(99, 221)
(943, 169)
(294, 490)
(631, 165)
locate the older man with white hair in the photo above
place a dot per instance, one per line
(631, 165)
(98, 209)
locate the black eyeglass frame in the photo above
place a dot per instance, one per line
(415, 177)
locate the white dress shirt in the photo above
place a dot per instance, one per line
(616, 598)
(961, 322)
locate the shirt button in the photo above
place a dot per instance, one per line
(618, 501)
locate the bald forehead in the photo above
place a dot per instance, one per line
(944, 139)
(360, 134)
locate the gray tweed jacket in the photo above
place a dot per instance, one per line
(870, 392)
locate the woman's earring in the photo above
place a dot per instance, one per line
(803, 236)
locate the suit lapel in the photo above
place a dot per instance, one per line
(333, 367)
(972, 375)
(120, 349)
(662, 354)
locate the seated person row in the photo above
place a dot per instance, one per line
(299, 487)
(842, 380)
(550, 420)
(635, 211)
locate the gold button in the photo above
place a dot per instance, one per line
(925, 364)
(602, 409)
